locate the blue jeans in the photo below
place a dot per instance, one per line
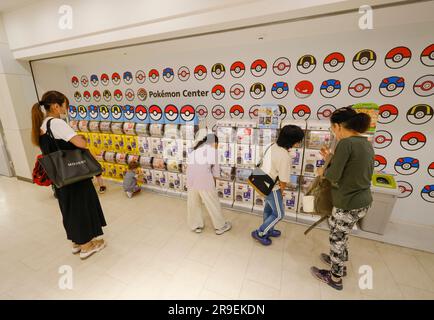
(273, 212)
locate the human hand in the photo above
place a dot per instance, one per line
(325, 152)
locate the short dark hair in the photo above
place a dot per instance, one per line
(133, 165)
(210, 138)
(351, 119)
(289, 135)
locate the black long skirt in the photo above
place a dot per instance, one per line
(82, 214)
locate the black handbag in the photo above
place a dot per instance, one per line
(65, 167)
(260, 181)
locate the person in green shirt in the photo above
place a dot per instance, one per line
(349, 172)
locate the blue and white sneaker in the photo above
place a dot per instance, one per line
(263, 240)
(274, 233)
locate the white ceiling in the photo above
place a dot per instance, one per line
(6, 5)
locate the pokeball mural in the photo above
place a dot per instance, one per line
(427, 56)
(380, 162)
(325, 112)
(77, 96)
(104, 112)
(236, 112)
(391, 86)
(94, 80)
(116, 112)
(187, 113)
(82, 111)
(72, 112)
(74, 81)
(84, 81)
(96, 95)
(116, 78)
(168, 74)
(427, 193)
(279, 89)
(237, 69)
(86, 96)
(405, 189)
(330, 88)
(420, 114)
(153, 75)
(281, 66)
(201, 112)
(387, 113)
(218, 112)
(183, 73)
(105, 79)
(397, 57)
(140, 76)
(424, 86)
(218, 92)
(258, 67)
(282, 112)
(218, 71)
(129, 94)
(155, 112)
(117, 94)
(257, 90)
(237, 91)
(382, 139)
(303, 89)
(359, 87)
(253, 112)
(128, 77)
(142, 94)
(431, 169)
(107, 95)
(364, 59)
(128, 112)
(141, 113)
(301, 112)
(334, 62)
(413, 140)
(306, 64)
(170, 113)
(200, 72)
(407, 165)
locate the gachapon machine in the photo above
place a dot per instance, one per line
(226, 132)
(156, 130)
(242, 174)
(172, 149)
(174, 183)
(266, 136)
(227, 173)
(305, 182)
(117, 128)
(131, 144)
(160, 181)
(226, 154)
(188, 131)
(110, 170)
(184, 188)
(317, 135)
(73, 124)
(146, 177)
(83, 126)
(246, 133)
(156, 145)
(107, 142)
(144, 146)
(95, 143)
(187, 148)
(94, 126)
(105, 127)
(246, 155)
(99, 156)
(243, 196)
(145, 162)
(110, 156)
(129, 128)
(172, 131)
(118, 143)
(121, 169)
(290, 201)
(121, 158)
(258, 203)
(133, 158)
(225, 192)
(142, 129)
(158, 163)
(174, 165)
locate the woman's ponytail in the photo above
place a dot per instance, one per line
(37, 119)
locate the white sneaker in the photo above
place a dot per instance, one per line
(129, 194)
(75, 249)
(225, 228)
(198, 230)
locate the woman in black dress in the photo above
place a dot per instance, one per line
(82, 214)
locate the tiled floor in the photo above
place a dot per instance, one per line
(151, 254)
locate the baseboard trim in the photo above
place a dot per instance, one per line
(24, 179)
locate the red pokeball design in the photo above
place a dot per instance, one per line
(82, 111)
(387, 113)
(253, 112)
(257, 90)
(77, 96)
(334, 62)
(301, 112)
(236, 112)
(74, 81)
(153, 75)
(303, 89)
(218, 112)
(397, 57)
(171, 112)
(427, 56)
(107, 95)
(116, 78)
(84, 81)
(420, 114)
(431, 169)
(306, 64)
(325, 112)
(105, 79)
(141, 113)
(364, 59)
(118, 95)
(129, 94)
(258, 67)
(405, 189)
(116, 112)
(424, 86)
(155, 112)
(142, 94)
(187, 113)
(237, 91)
(140, 76)
(86, 96)
(128, 112)
(238, 69)
(202, 112)
(218, 71)
(281, 66)
(413, 140)
(382, 139)
(104, 112)
(359, 87)
(380, 162)
(200, 72)
(282, 112)
(183, 73)
(218, 92)
(96, 95)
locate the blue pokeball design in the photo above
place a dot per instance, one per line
(72, 111)
(94, 80)
(330, 88)
(279, 89)
(427, 193)
(128, 112)
(392, 86)
(168, 74)
(128, 77)
(407, 165)
(93, 111)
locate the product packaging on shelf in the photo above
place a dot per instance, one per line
(225, 191)
(129, 128)
(158, 163)
(142, 129)
(117, 127)
(83, 126)
(156, 147)
(118, 143)
(105, 127)
(133, 158)
(144, 145)
(226, 134)
(131, 144)
(145, 162)
(121, 158)
(188, 131)
(174, 165)
(312, 161)
(156, 130)
(246, 135)
(94, 126)
(243, 196)
(172, 131)
(245, 155)
(226, 154)
(242, 174)
(74, 124)
(110, 156)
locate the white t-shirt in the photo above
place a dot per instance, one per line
(60, 129)
(277, 163)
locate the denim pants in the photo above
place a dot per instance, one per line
(273, 212)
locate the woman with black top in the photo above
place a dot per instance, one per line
(82, 214)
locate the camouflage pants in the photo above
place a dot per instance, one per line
(341, 223)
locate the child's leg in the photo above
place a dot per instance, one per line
(194, 206)
(99, 180)
(274, 199)
(212, 204)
